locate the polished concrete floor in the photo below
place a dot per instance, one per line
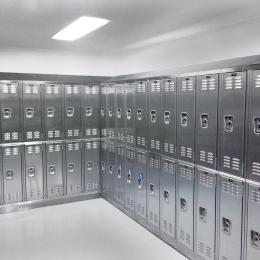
(89, 230)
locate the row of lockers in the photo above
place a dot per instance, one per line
(204, 212)
(36, 171)
(36, 111)
(210, 120)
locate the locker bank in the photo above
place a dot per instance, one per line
(130, 130)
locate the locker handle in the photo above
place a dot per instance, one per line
(70, 111)
(183, 204)
(166, 195)
(228, 123)
(226, 225)
(255, 239)
(119, 171)
(110, 112)
(152, 188)
(71, 167)
(128, 113)
(111, 169)
(88, 111)
(50, 112)
(257, 125)
(129, 175)
(204, 120)
(52, 170)
(29, 112)
(167, 117)
(184, 119)
(31, 172)
(119, 113)
(103, 166)
(9, 175)
(203, 214)
(89, 166)
(153, 116)
(140, 180)
(139, 114)
(7, 113)
(102, 111)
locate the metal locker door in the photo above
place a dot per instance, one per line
(205, 214)
(253, 225)
(140, 184)
(91, 111)
(54, 162)
(111, 171)
(206, 116)
(185, 205)
(103, 168)
(34, 172)
(73, 167)
(10, 111)
(72, 112)
(231, 122)
(130, 114)
(186, 118)
(129, 179)
(32, 111)
(120, 174)
(92, 179)
(120, 112)
(12, 174)
(167, 197)
(111, 122)
(103, 111)
(153, 186)
(230, 219)
(141, 114)
(53, 112)
(169, 117)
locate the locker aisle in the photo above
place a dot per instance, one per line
(91, 229)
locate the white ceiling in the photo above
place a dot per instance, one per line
(134, 23)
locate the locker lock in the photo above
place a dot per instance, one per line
(52, 169)
(255, 239)
(7, 113)
(203, 214)
(153, 116)
(228, 123)
(111, 169)
(119, 171)
(110, 112)
(103, 166)
(88, 111)
(31, 172)
(50, 112)
(71, 167)
(9, 175)
(204, 120)
(226, 225)
(70, 111)
(89, 166)
(166, 195)
(128, 113)
(183, 204)
(184, 119)
(167, 117)
(119, 113)
(29, 112)
(139, 114)
(129, 175)
(152, 188)
(102, 111)
(257, 125)
(140, 180)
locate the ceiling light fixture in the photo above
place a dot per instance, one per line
(79, 28)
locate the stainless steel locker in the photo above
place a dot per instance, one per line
(153, 190)
(92, 162)
(185, 205)
(169, 117)
(73, 167)
(129, 179)
(205, 214)
(54, 163)
(206, 120)
(186, 118)
(111, 119)
(91, 113)
(140, 178)
(32, 111)
(103, 168)
(10, 111)
(141, 125)
(154, 115)
(231, 122)
(120, 112)
(34, 171)
(53, 111)
(130, 114)
(111, 169)
(167, 197)
(120, 174)
(12, 174)
(103, 111)
(230, 219)
(72, 117)
(253, 225)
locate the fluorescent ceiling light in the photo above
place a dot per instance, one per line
(79, 28)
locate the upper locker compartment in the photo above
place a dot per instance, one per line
(206, 120)
(120, 108)
(10, 111)
(110, 102)
(231, 122)
(72, 111)
(103, 124)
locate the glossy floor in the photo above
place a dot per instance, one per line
(92, 230)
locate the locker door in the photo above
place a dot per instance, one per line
(154, 114)
(230, 219)
(103, 111)
(34, 172)
(12, 174)
(111, 169)
(120, 112)
(10, 111)
(103, 168)
(91, 111)
(141, 114)
(231, 122)
(32, 111)
(53, 112)
(206, 116)
(111, 121)
(129, 179)
(185, 205)
(169, 116)
(54, 161)
(253, 229)
(153, 177)
(186, 118)
(130, 114)
(167, 197)
(92, 178)
(72, 116)
(140, 185)
(205, 214)
(73, 167)
(120, 163)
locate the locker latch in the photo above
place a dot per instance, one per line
(119, 113)
(166, 195)
(228, 123)
(103, 166)
(52, 169)
(128, 113)
(140, 180)
(153, 116)
(31, 172)
(167, 117)
(111, 169)
(7, 113)
(203, 214)
(71, 167)
(110, 112)
(50, 112)
(183, 204)
(257, 125)
(70, 111)
(226, 225)
(255, 239)
(9, 175)
(152, 188)
(184, 119)
(129, 175)
(88, 111)
(204, 120)
(139, 114)
(89, 166)
(29, 112)
(102, 111)
(119, 171)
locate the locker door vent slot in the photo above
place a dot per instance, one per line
(206, 180)
(169, 86)
(183, 205)
(226, 226)
(167, 117)
(228, 123)
(203, 214)
(257, 125)
(255, 168)
(255, 196)
(204, 120)
(7, 113)
(255, 239)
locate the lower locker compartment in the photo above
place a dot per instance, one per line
(120, 174)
